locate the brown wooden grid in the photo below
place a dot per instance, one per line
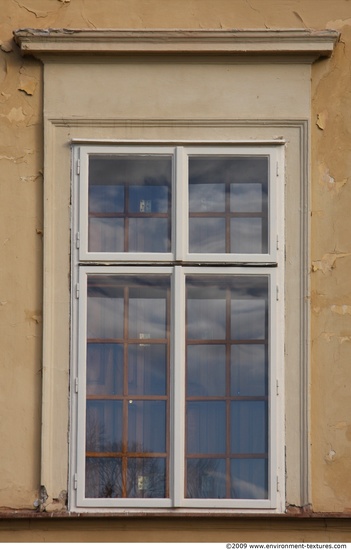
(228, 398)
(127, 215)
(125, 397)
(228, 215)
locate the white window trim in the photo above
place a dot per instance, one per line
(276, 498)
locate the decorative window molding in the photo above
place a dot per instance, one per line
(248, 42)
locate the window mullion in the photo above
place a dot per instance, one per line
(178, 352)
(180, 195)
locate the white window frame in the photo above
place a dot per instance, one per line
(271, 264)
(179, 250)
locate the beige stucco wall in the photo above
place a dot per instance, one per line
(21, 222)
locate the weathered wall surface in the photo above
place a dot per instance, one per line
(21, 222)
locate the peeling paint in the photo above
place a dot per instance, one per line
(27, 85)
(341, 310)
(35, 316)
(15, 115)
(6, 46)
(328, 336)
(328, 181)
(322, 119)
(327, 263)
(330, 457)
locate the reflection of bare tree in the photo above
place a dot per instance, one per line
(206, 478)
(130, 477)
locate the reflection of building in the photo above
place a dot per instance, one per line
(194, 365)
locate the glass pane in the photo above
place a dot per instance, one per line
(125, 188)
(104, 426)
(104, 369)
(147, 313)
(249, 427)
(206, 478)
(248, 318)
(146, 478)
(206, 427)
(246, 197)
(103, 478)
(148, 235)
(249, 370)
(249, 478)
(208, 197)
(206, 370)
(147, 426)
(232, 185)
(104, 309)
(147, 368)
(148, 199)
(106, 198)
(106, 235)
(246, 236)
(206, 311)
(207, 235)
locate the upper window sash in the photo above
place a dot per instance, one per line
(165, 203)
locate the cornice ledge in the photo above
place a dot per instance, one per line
(41, 42)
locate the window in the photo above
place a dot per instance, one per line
(178, 325)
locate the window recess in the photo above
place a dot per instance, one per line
(177, 364)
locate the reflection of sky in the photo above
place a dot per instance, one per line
(106, 235)
(206, 308)
(206, 478)
(246, 197)
(206, 319)
(246, 236)
(249, 478)
(206, 370)
(248, 426)
(248, 318)
(147, 426)
(148, 235)
(147, 316)
(207, 235)
(105, 317)
(157, 197)
(228, 169)
(106, 198)
(208, 197)
(248, 369)
(147, 306)
(130, 170)
(147, 369)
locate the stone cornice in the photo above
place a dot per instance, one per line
(297, 42)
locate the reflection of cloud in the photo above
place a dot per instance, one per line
(105, 317)
(106, 198)
(206, 308)
(247, 197)
(207, 235)
(208, 197)
(248, 369)
(246, 236)
(248, 318)
(148, 235)
(147, 316)
(206, 319)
